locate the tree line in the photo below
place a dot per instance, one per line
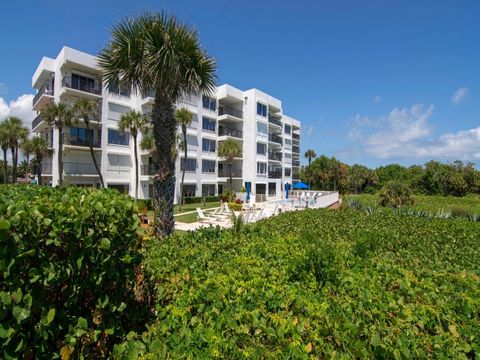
(433, 178)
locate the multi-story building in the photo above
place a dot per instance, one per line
(270, 139)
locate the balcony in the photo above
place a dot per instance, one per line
(296, 163)
(275, 156)
(274, 121)
(296, 137)
(37, 121)
(225, 173)
(275, 138)
(43, 96)
(275, 174)
(296, 149)
(147, 170)
(85, 87)
(79, 169)
(227, 110)
(227, 131)
(81, 141)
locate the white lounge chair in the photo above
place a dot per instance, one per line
(206, 218)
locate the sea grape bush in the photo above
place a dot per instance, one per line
(67, 259)
(316, 284)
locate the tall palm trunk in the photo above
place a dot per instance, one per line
(92, 154)
(60, 155)
(164, 128)
(135, 153)
(27, 170)
(184, 131)
(15, 164)
(39, 170)
(12, 151)
(309, 171)
(230, 165)
(5, 166)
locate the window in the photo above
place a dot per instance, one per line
(261, 168)
(288, 171)
(260, 188)
(288, 156)
(118, 138)
(208, 189)
(119, 162)
(115, 89)
(192, 141)
(208, 145)
(83, 83)
(288, 129)
(262, 128)
(189, 189)
(208, 124)
(208, 166)
(209, 103)
(123, 188)
(288, 142)
(80, 135)
(189, 165)
(261, 109)
(272, 189)
(261, 148)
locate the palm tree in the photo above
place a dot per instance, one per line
(4, 143)
(183, 118)
(155, 52)
(27, 150)
(58, 116)
(40, 148)
(87, 110)
(230, 149)
(17, 133)
(310, 154)
(134, 122)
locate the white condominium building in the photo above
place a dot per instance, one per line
(270, 139)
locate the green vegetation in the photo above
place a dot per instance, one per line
(433, 204)
(67, 267)
(434, 178)
(317, 283)
(395, 194)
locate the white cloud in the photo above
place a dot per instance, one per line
(377, 98)
(407, 133)
(3, 88)
(21, 107)
(310, 131)
(459, 95)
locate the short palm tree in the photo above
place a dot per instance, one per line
(230, 149)
(58, 116)
(87, 110)
(310, 154)
(4, 143)
(27, 150)
(184, 118)
(154, 52)
(17, 133)
(134, 122)
(40, 148)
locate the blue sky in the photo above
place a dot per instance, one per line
(373, 82)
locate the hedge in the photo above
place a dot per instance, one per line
(67, 269)
(199, 199)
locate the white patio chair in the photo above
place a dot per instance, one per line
(206, 218)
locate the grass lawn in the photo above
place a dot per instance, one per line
(192, 207)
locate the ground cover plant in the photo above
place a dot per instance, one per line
(316, 283)
(68, 263)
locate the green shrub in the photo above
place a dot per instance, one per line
(234, 206)
(395, 194)
(459, 211)
(210, 199)
(67, 260)
(193, 199)
(144, 204)
(228, 196)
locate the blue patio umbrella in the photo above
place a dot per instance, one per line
(300, 186)
(247, 187)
